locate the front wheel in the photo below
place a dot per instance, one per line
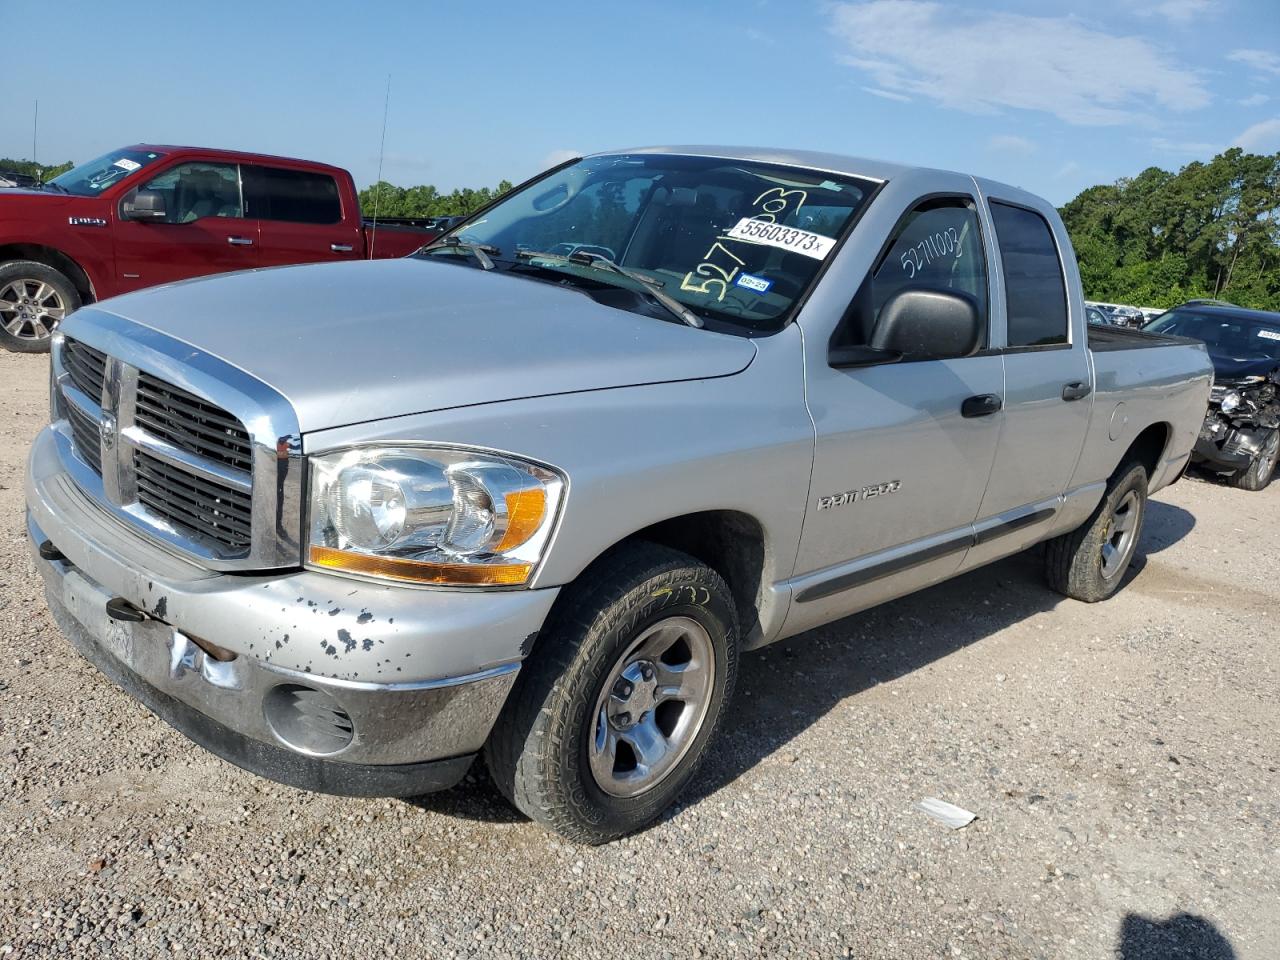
(1089, 562)
(612, 714)
(1263, 468)
(34, 300)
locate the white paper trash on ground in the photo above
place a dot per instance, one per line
(947, 813)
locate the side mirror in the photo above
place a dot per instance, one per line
(860, 356)
(934, 324)
(145, 205)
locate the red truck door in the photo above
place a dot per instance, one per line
(301, 216)
(204, 229)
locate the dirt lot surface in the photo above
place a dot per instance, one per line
(1121, 759)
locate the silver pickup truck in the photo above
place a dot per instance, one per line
(533, 490)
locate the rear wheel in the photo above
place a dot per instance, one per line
(1263, 468)
(1090, 562)
(612, 715)
(34, 300)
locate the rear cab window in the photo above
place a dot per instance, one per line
(292, 196)
(1035, 288)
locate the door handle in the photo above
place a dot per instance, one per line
(1076, 390)
(340, 247)
(983, 405)
(240, 241)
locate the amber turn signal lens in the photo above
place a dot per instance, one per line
(417, 571)
(525, 510)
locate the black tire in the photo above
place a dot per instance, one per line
(1074, 562)
(538, 752)
(31, 332)
(1258, 476)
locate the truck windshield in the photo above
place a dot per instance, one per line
(1242, 336)
(735, 241)
(90, 179)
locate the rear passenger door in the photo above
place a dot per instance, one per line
(300, 216)
(1046, 361)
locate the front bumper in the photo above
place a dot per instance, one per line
(319, 681)
(1207, 452)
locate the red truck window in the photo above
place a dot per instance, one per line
(296, 196)
(193, 191)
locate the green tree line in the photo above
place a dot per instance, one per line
(1160, 238)
(33, 169)
(425, 200)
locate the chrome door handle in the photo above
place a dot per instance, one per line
(340, 247)
(240, 241)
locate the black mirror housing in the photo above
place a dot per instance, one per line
(144, 205)
(929, 324)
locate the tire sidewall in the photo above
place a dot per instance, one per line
(34, 270)
(689, 594)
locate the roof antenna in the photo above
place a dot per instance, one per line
(35, 128)
(377, 185)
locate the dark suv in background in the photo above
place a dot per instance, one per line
(1241, 433)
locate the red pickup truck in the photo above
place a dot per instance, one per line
(145, 215)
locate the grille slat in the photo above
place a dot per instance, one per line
(192, 424)
(84, 431)
(86, 366)
(221, 514)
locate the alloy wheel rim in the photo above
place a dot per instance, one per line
(1121, 535)
(1269, 455)
(30, 309)
(652, 707)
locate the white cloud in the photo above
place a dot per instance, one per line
(1068, 169)
(1010, 143)
(886, 95)
(1263, 137)
(1254, 100)
(1264, 61)
(1181, 11)
(981, 62)
(557, 157)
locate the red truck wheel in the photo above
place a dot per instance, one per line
(34, 299)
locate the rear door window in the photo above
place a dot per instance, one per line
(293, 196)
(1035, 289)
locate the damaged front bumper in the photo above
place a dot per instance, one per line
(317, 681)
(1224, 447)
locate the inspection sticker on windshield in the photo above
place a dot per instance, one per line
(124, 163)
(753, 283)
(788, 238)
(1269, 334)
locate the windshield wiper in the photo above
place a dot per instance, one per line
(55, 186)
(599, 262)
(480, 251)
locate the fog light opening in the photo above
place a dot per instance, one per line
(307, 720)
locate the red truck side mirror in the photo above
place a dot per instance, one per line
(144, 205)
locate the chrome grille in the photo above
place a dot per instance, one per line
(210, 509)
(1217, 392)
(87, 368)
(191, 424)
(85, 435)
(162, 457)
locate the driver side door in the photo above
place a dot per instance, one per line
(904, 450)
(204, 230)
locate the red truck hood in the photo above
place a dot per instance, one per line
(366, 340)
(20, 202)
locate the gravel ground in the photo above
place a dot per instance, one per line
(1121, 759)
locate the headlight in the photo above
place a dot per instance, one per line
(431, 515)
(1230, 400)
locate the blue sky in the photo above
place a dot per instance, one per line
(1050, 96)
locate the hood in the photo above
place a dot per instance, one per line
(24, 199)
(1228, 369)
(365, 340)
